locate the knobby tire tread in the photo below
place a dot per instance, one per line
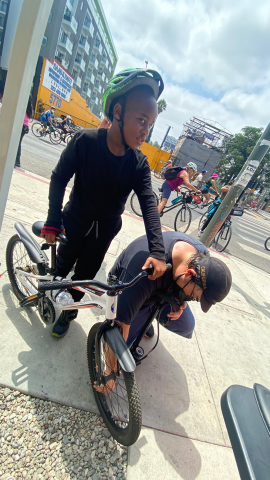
(130, 434)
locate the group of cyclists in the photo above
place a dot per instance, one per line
(48, 120)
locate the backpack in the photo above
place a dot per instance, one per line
(171, 173)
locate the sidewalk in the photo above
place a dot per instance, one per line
(180, 384)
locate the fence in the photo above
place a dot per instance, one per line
(77, 121)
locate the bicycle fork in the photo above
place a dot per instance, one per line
(113, 337)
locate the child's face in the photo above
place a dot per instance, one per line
(140, 114)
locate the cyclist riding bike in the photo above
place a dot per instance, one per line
(210, 186)
(181, 177)
(66, 124)
(213, 208)
(47, 119)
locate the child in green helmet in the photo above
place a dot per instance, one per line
(107, 165)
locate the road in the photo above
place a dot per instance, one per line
(249, 232)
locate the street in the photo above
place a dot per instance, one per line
(249, 232)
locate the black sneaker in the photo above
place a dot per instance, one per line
(62, 325)
(150, 332)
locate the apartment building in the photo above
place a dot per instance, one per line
(78, 36)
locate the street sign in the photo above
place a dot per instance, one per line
(254, 203)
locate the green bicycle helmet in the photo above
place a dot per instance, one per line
(127, 79)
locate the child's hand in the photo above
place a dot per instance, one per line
(158, 265)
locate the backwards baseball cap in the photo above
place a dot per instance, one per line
(215, 279)
(204, 171)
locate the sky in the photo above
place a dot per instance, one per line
(213, 55)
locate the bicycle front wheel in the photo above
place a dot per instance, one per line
(202, 220)
(135, 204)
(182, 219)
(37, 128)
(120, 408)
(223, 238)
(56, 136)
(267, 244)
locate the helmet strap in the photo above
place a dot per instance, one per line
(121, 123)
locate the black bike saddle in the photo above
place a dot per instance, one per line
(37, 227)
(247, 413)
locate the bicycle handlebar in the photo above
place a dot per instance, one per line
(63, 284)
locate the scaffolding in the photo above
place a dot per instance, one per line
(206, 132)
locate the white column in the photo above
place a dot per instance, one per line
(22, 64)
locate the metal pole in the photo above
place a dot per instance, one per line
(26, 46)
(166, 134)
(249, 168)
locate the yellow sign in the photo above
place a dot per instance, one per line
(252, 190)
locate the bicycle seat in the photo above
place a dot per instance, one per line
(37, 227)
(247, 416)
(160, 189)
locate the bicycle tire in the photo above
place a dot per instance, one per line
(135, 204)
(267, 244)
(23, 262)
(56, 136)
(222, 239)
(182, 219)
(36, 129)
(157, 174)
(126, 435)
(202, 220)
(69, 137)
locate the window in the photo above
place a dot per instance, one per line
(44, 41)
(82, 40)
(3, 6)
(50, 18)
(87, 21)
(78, 57)
(67, 15)
(85, 86)
(93, 57)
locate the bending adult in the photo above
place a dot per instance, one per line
(182, 177)
(210, 186)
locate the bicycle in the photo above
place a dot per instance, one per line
(37, 130)
(182, 218)
(59, 136)
(223, 237)
(267, 244)
(35, 284)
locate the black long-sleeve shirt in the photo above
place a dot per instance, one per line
(102, 184)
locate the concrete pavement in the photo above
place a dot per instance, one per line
(184, 436)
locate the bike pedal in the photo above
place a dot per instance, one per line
(31, 301)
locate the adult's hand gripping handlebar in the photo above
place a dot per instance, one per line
(63, 284)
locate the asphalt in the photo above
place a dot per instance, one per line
(40, 156)
(180, 383)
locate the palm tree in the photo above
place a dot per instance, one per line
(162, 105)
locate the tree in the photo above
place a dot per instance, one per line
(237, 151)
(162, 105)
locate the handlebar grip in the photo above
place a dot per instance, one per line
(43, 286)
(62, 238)
(150, 270)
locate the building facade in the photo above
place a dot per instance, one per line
(77, 36)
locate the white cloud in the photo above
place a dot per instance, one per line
(219, 47)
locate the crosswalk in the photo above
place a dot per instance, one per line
(249, 235)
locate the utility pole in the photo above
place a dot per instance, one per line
(248, 170)
(164, 139)
(146, 63)
(26, 46)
